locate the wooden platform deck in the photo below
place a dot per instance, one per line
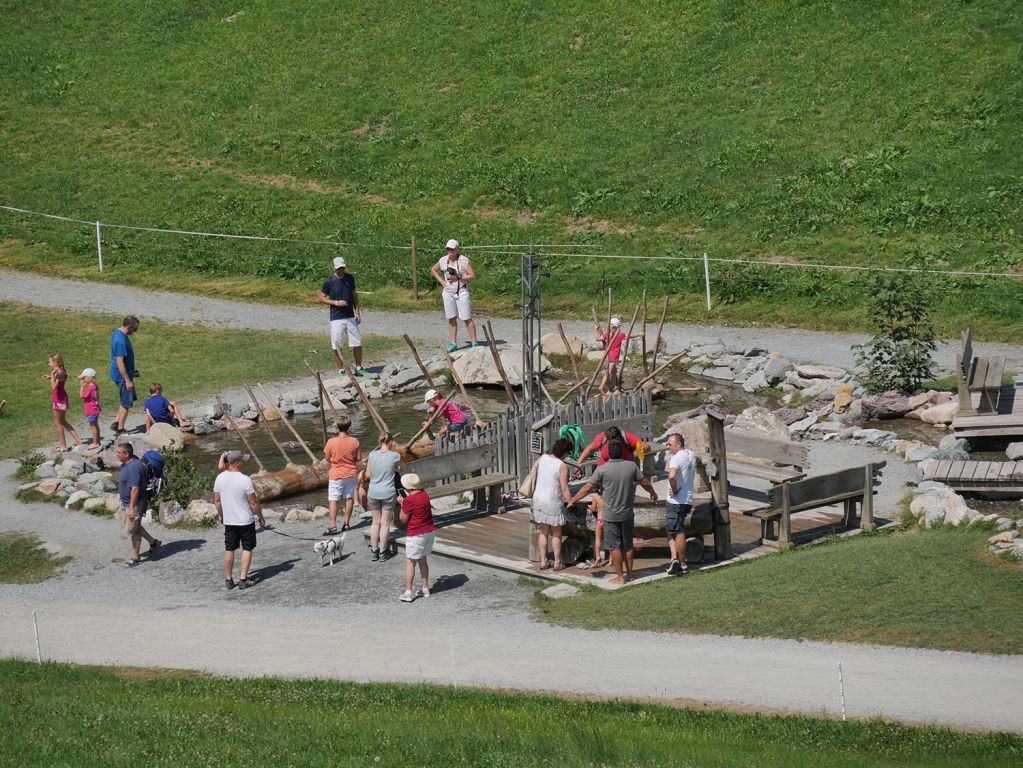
(502, 541)
(978, 476)
(1005, 421)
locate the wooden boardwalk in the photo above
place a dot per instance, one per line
(1005, 421)
(979, 476)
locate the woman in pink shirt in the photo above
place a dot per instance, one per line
(58, 397)
(453, 415)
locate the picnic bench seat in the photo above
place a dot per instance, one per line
(433, 471)
(849, 486)
(977, 374)
(766, 458)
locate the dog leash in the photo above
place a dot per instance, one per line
(292, 536)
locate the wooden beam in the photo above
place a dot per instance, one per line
(266, 424)
(287, 423)
(660, 327)
(646, 368)
(234, 426)
(658, 370)
(381, 425)
(488, 331)
(419, 362)
(323, 394)
(571, 352)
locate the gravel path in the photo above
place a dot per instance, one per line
(798, 345)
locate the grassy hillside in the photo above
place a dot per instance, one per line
(829, 132)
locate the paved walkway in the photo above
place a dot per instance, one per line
(799, 345)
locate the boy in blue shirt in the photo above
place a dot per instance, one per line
(160, 410)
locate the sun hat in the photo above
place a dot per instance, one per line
(339, 262)
(233, 457)
(430, 394)
(615, 321)
(452, 245)
(87, 372)
(411, 482)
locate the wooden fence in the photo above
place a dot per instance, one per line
(511, 430)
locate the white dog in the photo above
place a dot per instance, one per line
(332, 547)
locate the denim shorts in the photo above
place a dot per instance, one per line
(127, 395)
(677, 514)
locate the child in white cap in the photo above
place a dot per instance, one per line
(452, 414)
(614, 338)
(90, 396)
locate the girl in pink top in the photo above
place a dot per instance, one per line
(453, 415)
(614, 338)
(90, 395)
(58, 397)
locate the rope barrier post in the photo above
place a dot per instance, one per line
(706, 278)
(99, 245)
(415, 272)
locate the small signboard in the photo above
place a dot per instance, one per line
(536, 442)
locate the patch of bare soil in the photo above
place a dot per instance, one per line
(602, 226)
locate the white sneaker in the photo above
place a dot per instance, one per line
(424, 592)
(407, 596)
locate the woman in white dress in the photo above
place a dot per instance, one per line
(550, 494)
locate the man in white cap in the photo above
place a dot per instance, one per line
(338, 291)
(614, 338)
(454, 272)
(237, 505)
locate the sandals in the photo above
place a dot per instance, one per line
(560, 567)
(130, 563)
(246, 583)
(545, 566)
(345, 527)
(330, 532)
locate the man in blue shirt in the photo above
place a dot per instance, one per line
(338, 291)
(131, 492)
(122, 368)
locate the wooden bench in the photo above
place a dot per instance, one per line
(849, 486)
(764, 457)
(433, 471)
(977, 374)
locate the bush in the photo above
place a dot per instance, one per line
(898, 356)
(182, 480)
(27, 466)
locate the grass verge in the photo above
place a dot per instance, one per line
(306, 722)
(189, 361)
(24, 561)
(930, 589)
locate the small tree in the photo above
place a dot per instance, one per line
(898, 355)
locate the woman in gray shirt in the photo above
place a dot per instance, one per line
(383, 465)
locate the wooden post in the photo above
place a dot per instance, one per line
(419, 362)
(608, 326)
(625, 352)
(429, 421)
(867, 509)
(234, 426)
(365, 400)
(534, 542)
(785, 522)
(323, 408)
(323, 394)
(658, 370)
(646, 369)
(571, 353)
(660, 327)
(287, 423)
(488, 331)
(266, 425)
(415, 271)
(719, 487)
(461, 388)
(596, 373)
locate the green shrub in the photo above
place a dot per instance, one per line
(27, 466)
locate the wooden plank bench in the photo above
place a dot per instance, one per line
(485, 488)
(849, 486)
(977, 374)
(748, 455)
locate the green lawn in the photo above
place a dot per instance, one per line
(65, 715)
(23, 561)
(188, 361)
(849, 133)
(930, 589)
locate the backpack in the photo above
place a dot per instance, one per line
(152, 465)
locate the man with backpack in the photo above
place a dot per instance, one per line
(132, 493)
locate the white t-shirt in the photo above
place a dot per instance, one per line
(234, 489)
(684, 464)
(461, 266)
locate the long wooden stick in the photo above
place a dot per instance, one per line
(365, 399)
(596, 373)
(266, 425)
(608, 326)
(660, 327)
(571, 352)
(234, 426)
(488, 331)
(625, 352)
(570, 390)
(646, 369)
(646, 379)
(323, 394)
(287, 423)
(419, 362)
(323, 409)
(429, 422)
(461, 388)
(543, 389)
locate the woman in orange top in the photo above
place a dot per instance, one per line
(343, 452)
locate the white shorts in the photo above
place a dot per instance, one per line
(420, 546)
(343, 488)
(457, 305)
(339, 329)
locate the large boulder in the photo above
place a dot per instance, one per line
(1014, 451)
(171, 513)
(940, 414)
(819, 372)
(887, 405)
(403, 377)
(476, 366)
(167, 437)
(199, 510)
(139, 443)
(761, 421)
(756, 382)
(776, 369)
(551, 344)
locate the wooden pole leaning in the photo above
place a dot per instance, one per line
(266, 425)
(646, 368)
(419, 362)
(461, 388)
(287, 423)
(596, 373)
(570, 390)
(323, 395)
(429, 422)
(625, 352)
(234, 426)
(660, 327)
(364, 398)
(571, 352)
(658, 370)
(488, 331)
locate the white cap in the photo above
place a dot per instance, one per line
(87, 372)
(615, 321)
(339, 262)
(430, 394)
(452, 245)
